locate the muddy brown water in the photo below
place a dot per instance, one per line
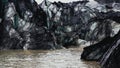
(64, 58)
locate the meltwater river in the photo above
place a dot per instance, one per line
(64, 58)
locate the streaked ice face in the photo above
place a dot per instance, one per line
(10, 12)
(91, 3)
(66, 1)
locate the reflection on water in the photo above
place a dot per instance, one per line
(65, 58)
